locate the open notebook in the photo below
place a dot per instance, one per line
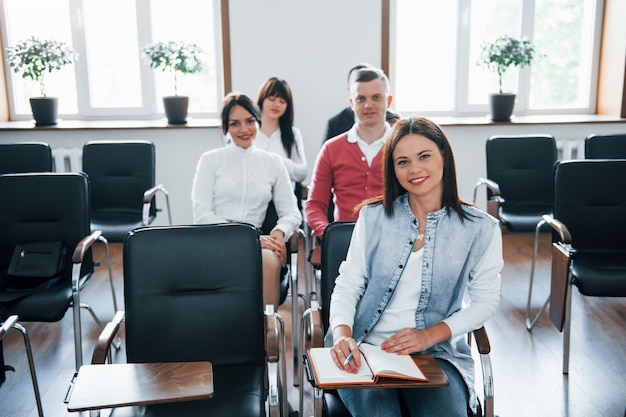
(375, 363)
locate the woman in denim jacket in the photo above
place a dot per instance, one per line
(423, 270)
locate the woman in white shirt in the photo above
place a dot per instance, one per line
(237, 183)
(277, 133)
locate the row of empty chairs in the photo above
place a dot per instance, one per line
(121, 174)
(114, 194)
(582, 201)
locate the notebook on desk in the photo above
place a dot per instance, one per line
(375, 364)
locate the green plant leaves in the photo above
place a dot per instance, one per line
(505, 52)
(33, 57)
(174, 56)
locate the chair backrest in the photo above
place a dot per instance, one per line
(20, 157)
(194, 293)
(119, 173)
(522, 166)
(605, 146)
(40, 207)
(590, 199)
(335, 244)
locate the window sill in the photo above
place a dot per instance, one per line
(529, 120)
(216, 123)
(111, 124)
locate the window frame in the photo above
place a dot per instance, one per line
(462, 108)
(148, 109)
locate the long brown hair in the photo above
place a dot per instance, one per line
(391, 186)
(274, 87)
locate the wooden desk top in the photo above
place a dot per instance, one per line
(119, 385)
(427, 364)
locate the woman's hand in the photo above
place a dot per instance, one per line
(408, 341)
(276, 243)
(343, 346)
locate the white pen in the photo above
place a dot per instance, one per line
(349, 357)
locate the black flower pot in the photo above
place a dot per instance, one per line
(176, 109)
(44, 110)
(501, 106)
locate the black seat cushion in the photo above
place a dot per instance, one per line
(601, 275)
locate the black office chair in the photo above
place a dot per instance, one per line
(20, 157)
(519, 179)
(47, 207)
(315, 323)
(123, 190)
(605, 146)
(589, 250)
(11, 323)
(195, 293)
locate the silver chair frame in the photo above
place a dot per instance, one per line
(11, 323)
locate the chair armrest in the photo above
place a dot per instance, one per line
(149, 194)
(7, 325)
(491, 185)
(294, 240)
(83, 245)
(496, 200)
(147, 202)
(484, 348)
(482, 340)
(560, 228)
(103, 345)
(272, 336)
(316, 330)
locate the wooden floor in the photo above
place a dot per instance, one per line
(527, 366)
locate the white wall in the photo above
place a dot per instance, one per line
(312, 45)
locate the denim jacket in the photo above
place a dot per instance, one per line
(451, 250)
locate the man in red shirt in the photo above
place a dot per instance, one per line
(349, 166)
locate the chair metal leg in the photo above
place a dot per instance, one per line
(31, 365)
(110, 267)
(318, 401)
(567, 328)
(531, 323)
(295, 310)
(283, 369)
(488, 390)
(11, 323)
(78, 347)
(303, 335)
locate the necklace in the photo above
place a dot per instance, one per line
(420, 234)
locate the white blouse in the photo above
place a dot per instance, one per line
(296, 165)
(236, 184)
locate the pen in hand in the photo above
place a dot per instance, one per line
(350, 356)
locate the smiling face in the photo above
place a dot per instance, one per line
(418, 166)
(242, 126)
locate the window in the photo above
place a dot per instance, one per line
(435, 46)
(110, 79)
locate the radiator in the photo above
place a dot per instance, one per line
(570, 149)
(68, 159)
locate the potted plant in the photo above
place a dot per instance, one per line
(175, 57)
(498, 56)
(34, 57)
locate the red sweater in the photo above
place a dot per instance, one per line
(341, 169)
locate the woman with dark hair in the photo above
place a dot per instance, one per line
(415, 253)
(236, 183)
(277, 133)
